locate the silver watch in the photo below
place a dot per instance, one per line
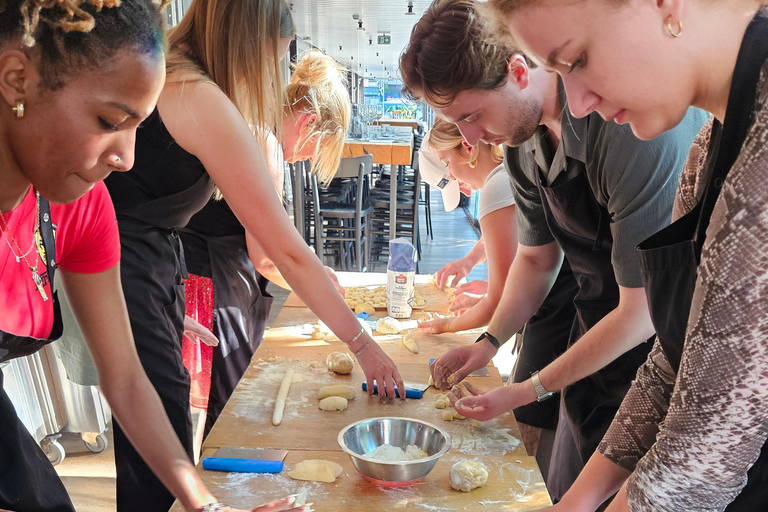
(541, 392)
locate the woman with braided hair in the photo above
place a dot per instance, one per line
(223, 83)
(76, 79)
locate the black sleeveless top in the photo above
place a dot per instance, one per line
(162, 169)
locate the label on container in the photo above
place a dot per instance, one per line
(400, 291)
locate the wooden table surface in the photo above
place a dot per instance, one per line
(514, 483)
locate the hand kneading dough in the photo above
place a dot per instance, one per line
(341, 390)
(333, 403)
(388, 325)
(410, 343)
(316, 470)
(468, 474)
(340, 362)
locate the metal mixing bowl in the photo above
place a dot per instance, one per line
(364, 436)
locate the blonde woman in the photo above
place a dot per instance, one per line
(223, 80)
(227, 267)
(478, 167)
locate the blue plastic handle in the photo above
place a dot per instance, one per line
(242, 465)
(409, 392)
(363, 315)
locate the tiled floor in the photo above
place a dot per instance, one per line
(90, 478)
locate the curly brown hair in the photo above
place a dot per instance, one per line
(65, 37)
(451, 51)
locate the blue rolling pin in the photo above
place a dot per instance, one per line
(242, 465)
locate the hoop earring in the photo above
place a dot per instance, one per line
(473, 163)
(669, 27)
(18, 109)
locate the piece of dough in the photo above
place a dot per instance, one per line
(340, 362)
(317, 334)
(468, 474)
(442, 401)
(316, 470)
(333, 403)
(282, 394)
(364, 307)
(388, 325)
(389, 453)
(410, 343)
(341, 390)
(477, 423)
(450, 415)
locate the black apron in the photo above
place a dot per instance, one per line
(670, 258)
(152, 268)
(28, 482)
(240, 311)
(581, 227)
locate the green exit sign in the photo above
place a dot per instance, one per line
(385, 39)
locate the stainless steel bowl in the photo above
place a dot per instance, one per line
(364, 436)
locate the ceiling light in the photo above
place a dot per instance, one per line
(360, 25)
(410, 9)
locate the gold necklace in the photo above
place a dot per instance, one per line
(33, 269)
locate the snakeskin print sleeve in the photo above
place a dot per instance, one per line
(636, 424)
(717, 420)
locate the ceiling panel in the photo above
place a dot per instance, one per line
(329, 25)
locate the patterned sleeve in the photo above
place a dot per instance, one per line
(717, 420)
(634, 428)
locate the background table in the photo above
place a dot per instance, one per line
(514, 482)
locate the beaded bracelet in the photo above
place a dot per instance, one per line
(213, 507)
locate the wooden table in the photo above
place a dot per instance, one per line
(385, 152)
(514, 483)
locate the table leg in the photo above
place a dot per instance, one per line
(392, 201)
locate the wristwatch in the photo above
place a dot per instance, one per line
(541, 392)
(491, 338)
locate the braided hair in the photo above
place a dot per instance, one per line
(66, 37)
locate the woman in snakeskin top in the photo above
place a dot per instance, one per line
(690, 433)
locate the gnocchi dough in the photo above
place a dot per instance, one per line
(317, 334)
(410, 343)
(388, 325)
(376, 298)
(442, 401)
(450, 415)
(364, 307)
(340, 362)
(389, 453)
(341, 390)
(316, 470)
(467, 475)
(333, 403)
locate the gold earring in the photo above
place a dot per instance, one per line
(679, 27)
(473, 163)
(18, 109)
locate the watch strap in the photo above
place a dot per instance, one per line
(541, 392)
(491, 338)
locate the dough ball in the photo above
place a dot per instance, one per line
(468, 474)
(388, 325)
(341, 390)
(316, 470)
(333, 403)
(365, 308)
(317, 334)
(448, 415)
(340, 362)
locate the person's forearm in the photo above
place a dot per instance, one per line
(262, 264)
(599, 480)
(136, 405)
(477, 316)
(527, 285)
(477, 255)
(619, 331)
